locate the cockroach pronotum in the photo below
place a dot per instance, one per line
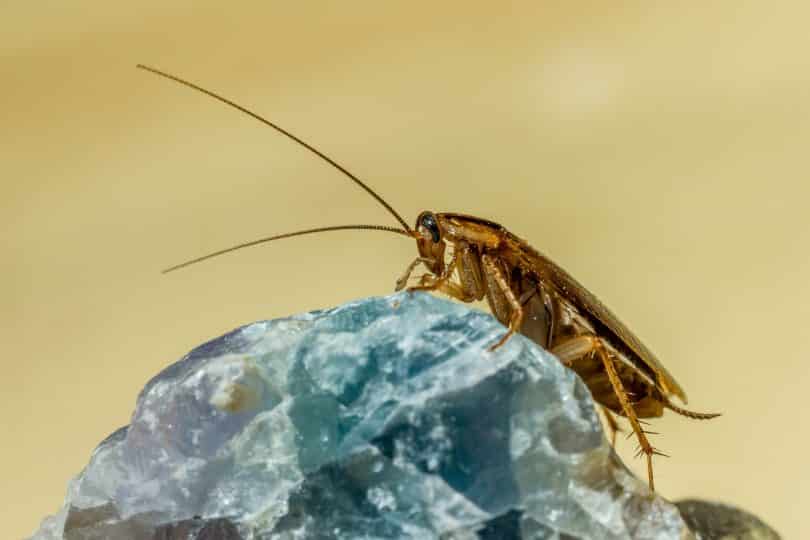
(527, 292)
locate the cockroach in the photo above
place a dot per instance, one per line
(527, 292)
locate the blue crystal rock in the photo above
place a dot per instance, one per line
(385, 418)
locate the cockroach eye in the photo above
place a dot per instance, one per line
(429, 223)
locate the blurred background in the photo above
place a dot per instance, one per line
(658, 151)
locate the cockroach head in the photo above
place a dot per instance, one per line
(430, 241)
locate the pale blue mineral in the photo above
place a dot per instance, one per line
(385, 418)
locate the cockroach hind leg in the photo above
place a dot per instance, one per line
(644, 445)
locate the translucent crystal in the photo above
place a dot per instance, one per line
(382, 418)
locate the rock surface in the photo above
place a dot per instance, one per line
(716, 521)
(383, 418)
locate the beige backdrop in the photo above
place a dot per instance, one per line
(658, 153)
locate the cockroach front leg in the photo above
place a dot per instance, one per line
(451, 289)
(406, 275)
(468, 288)
(444, 284)
(517, 313)
(577, 347)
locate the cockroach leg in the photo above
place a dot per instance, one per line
(406, 275)
(612, 424)
(574, 349)
(498, 303)
(517, 313)
(580, 346)
(429, 282)
(469, 271)
(444, 284)
(645, 446)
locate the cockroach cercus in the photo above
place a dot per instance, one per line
(525, 291)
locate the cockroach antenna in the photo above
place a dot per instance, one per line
(286, 235)
(405, 230)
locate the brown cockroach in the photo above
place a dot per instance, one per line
(528, 293)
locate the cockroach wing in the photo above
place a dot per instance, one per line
(587, 303)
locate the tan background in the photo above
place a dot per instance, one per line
(660, 153)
